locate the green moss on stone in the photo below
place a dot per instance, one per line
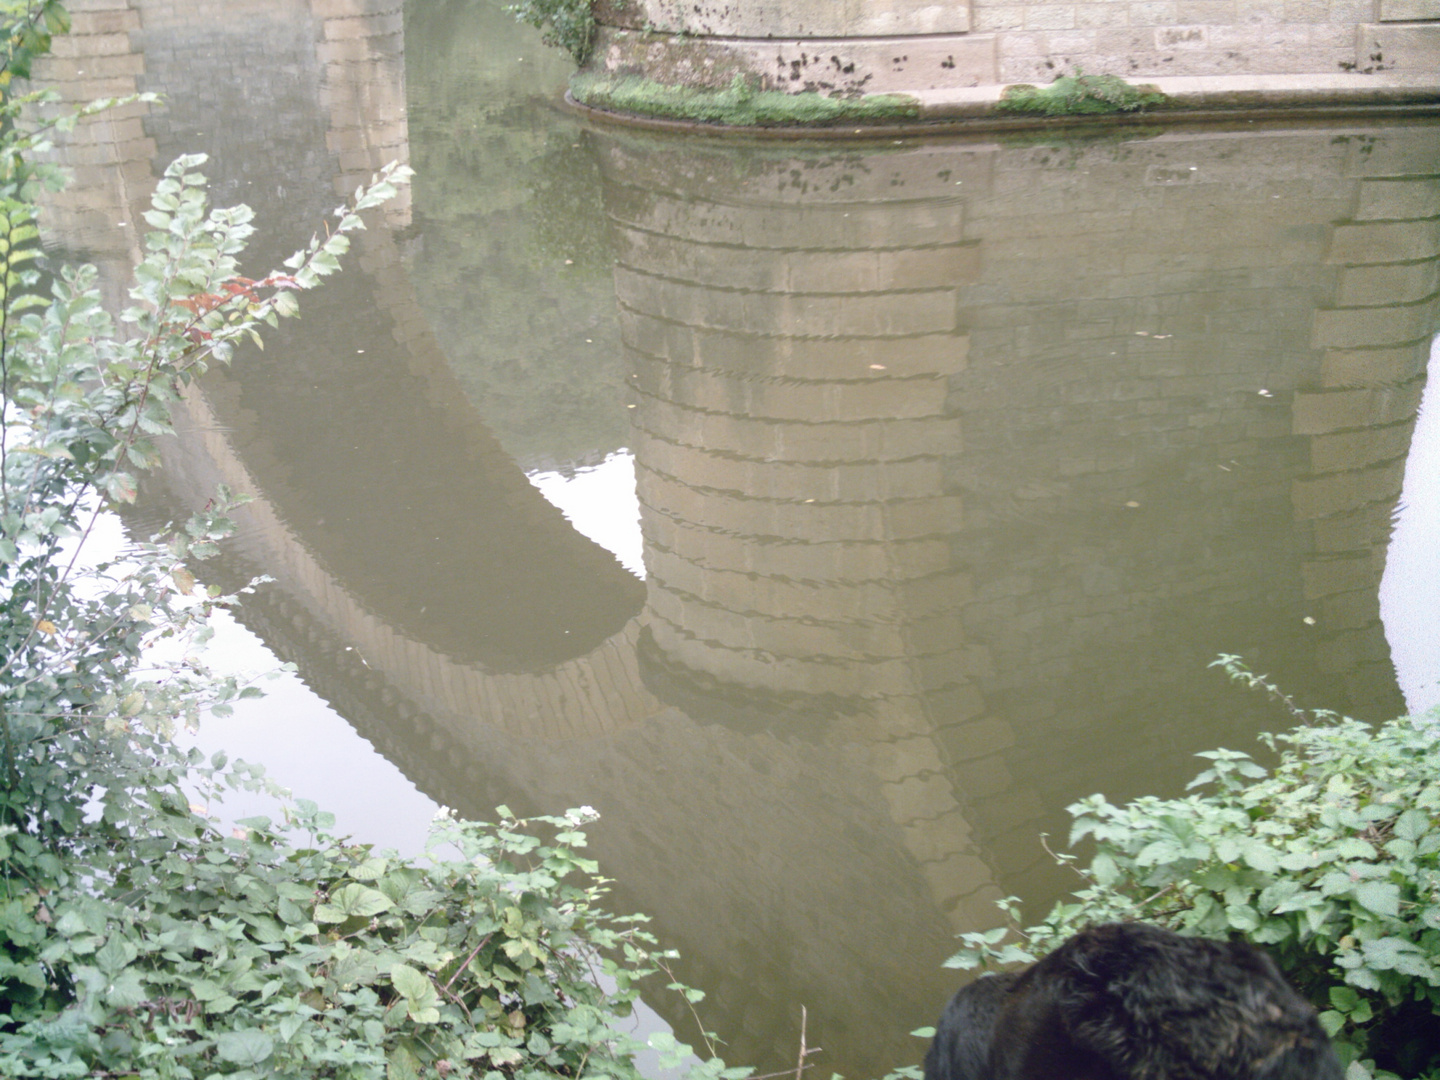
(740, 104)
(1080, 95)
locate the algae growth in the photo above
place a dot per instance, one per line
(1080, 95)
(741, 104)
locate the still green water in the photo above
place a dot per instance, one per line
(828, 517)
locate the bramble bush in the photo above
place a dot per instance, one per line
(1330, 859)
(138, 937)
(565, 24)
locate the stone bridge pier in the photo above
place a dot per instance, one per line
(953, 58)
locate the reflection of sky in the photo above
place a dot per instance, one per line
(1410, 589)
(304, 744)
(601, 503)
(309, 748)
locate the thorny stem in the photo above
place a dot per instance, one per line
(709, 1042)
(473, 953)
(1070, 862)
(804, 1050)
(456, 998)
(5, 370)
(1157, 894)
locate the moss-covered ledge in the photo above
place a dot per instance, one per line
(738, 108)
(831, 65)
(741, 104)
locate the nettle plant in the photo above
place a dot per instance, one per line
(139, 938)
(1330, 859)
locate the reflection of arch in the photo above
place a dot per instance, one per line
(775, 857)
(354, 50)
(1105, 413)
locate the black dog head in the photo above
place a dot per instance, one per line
(1127, 1001)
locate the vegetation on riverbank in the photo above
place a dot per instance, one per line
(140, 937)
(565, 24)
(741, 104)
(1330, 859)
(1080, 95)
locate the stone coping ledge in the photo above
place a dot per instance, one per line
(1194, 99)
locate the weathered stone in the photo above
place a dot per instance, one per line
(1402, 46)
(1388, 283)
(1408, 10)
(832, 67)
(805, 18)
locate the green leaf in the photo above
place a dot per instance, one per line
(1332, 1022)
(1412, 824)
(289, 1025)
(421, 997)
(1344, 998)
(1242, 918)
(411, 983)
(245, 1048)
(1397, 954)
(1354, 848)
(57, 19)
(1381, 897)
(369, 870)
(1261, 857)
(115, 954)
(401, 1064)
(126, 991)
(350, 901)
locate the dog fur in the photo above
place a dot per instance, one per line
(1129, 1001)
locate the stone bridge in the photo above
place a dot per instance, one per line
(1218, 52)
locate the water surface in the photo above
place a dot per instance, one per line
(829, 517)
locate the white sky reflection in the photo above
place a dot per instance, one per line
(1410, 589)
(601, 503)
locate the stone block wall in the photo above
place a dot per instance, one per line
(1039, 39)
(907, 45)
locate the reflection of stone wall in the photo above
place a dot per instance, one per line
(792, 332)
(991, 452)
(1141, 353)
(363, 50)
(109, 154)
(1360, 412)
(429, 591)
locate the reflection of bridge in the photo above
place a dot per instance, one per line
(890, 410)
